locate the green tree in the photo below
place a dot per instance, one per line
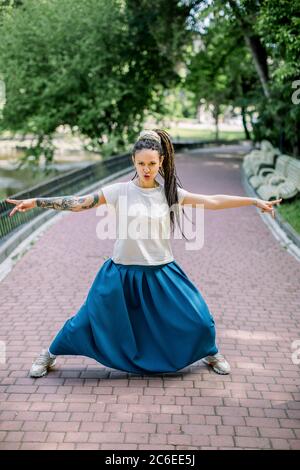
(267, 32)
(92, 64)
(279, 25)
(221, 70)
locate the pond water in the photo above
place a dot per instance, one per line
(13, 180)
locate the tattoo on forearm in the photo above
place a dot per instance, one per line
(71, 203)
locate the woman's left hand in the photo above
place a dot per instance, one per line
(267, 206)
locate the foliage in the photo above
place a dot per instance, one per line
(279, 25)
(92, 64)
(221, 72)
(249, 57)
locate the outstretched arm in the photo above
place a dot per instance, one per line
(222, 201)
(71, 203)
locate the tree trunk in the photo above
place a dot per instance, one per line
(257, 49)
(216, 116)
(247, 133)
(296, 144)
(259, 56)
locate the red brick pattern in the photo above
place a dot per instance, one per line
(250, 284)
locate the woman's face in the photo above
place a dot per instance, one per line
(147, 163)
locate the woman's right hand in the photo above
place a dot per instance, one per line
(22, 205)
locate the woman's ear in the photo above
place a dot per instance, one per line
(161, 160)
(132, 157)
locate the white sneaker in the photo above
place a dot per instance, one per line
(218, 363)
(41, 365)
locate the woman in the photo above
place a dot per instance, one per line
(142, 313)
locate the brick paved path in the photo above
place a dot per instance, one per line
(250, 284)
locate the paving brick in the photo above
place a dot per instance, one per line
(225, 430)
(94, 426)
(294, 444)
(179, 439)
(200, 440)
(168, 428)
(34, 436)
(66, 446)
(158, 418)
(254, 442)
(199, 429)
(62, 426)
(112, 437)
(112, 427)
(79, 436)
(10, 445)
(56, 436)
(158, 439)
(246, 431)
(277, 432)
(11, 436)
(87, 446)
(221, 441)
(180, 419)
(231, 411)
(11, 425)
(139, 427)
(38, 446)
(289, 423)
(280, 444)
(34, 426)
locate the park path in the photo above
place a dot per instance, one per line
(251, 285)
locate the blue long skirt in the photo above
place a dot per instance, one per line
(140, 319)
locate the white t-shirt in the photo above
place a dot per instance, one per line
(142, 223)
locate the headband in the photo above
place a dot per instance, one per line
(149, 134)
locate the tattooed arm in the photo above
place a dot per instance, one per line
(71, 203)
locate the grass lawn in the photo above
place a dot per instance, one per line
(204, 134)
(290, 211)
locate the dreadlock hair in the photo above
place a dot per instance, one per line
(167, 170)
